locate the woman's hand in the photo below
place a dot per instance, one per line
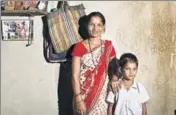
(80, 105)
(81, 108)
(115, 84)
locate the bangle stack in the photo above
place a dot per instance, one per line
(79, 94)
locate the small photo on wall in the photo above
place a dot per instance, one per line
(17, 30)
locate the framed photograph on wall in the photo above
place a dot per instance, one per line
(17, 29)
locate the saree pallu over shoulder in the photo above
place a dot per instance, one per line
(92, 78)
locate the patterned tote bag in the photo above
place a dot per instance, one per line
(63, 26)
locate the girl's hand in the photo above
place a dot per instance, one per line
(115, 84)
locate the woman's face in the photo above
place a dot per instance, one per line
(129, 71)
(95, 27)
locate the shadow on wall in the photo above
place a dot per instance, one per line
(65, 92)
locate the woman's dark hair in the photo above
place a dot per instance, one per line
(114, 68)
(128, 57)
(83, 27)
(93, 14)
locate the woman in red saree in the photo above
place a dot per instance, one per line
(89, 67)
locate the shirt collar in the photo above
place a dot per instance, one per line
(134, 85)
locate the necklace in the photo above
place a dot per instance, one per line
(92, 53)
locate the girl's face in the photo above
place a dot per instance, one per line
(114, 78)
(129, 71)
(95, 27)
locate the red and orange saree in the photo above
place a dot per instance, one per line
(93, 75)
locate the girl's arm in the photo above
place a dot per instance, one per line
(111, 100)
(144, 109)
(110, 106)
(114, 74)
(76, 85)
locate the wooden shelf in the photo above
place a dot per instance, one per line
(35, 12)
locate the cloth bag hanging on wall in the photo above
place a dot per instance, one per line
(53, 29)
(63, 26)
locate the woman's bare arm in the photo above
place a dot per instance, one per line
(79, 103)
(75, 75)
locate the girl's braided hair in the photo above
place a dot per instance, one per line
(114, 68)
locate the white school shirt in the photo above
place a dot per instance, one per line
(129, 102)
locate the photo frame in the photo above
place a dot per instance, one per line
(17, 29)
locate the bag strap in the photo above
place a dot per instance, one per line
(138, 87)
(115, 103)
(62, 4)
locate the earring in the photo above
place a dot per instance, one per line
(120, 70)
(104, 30)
